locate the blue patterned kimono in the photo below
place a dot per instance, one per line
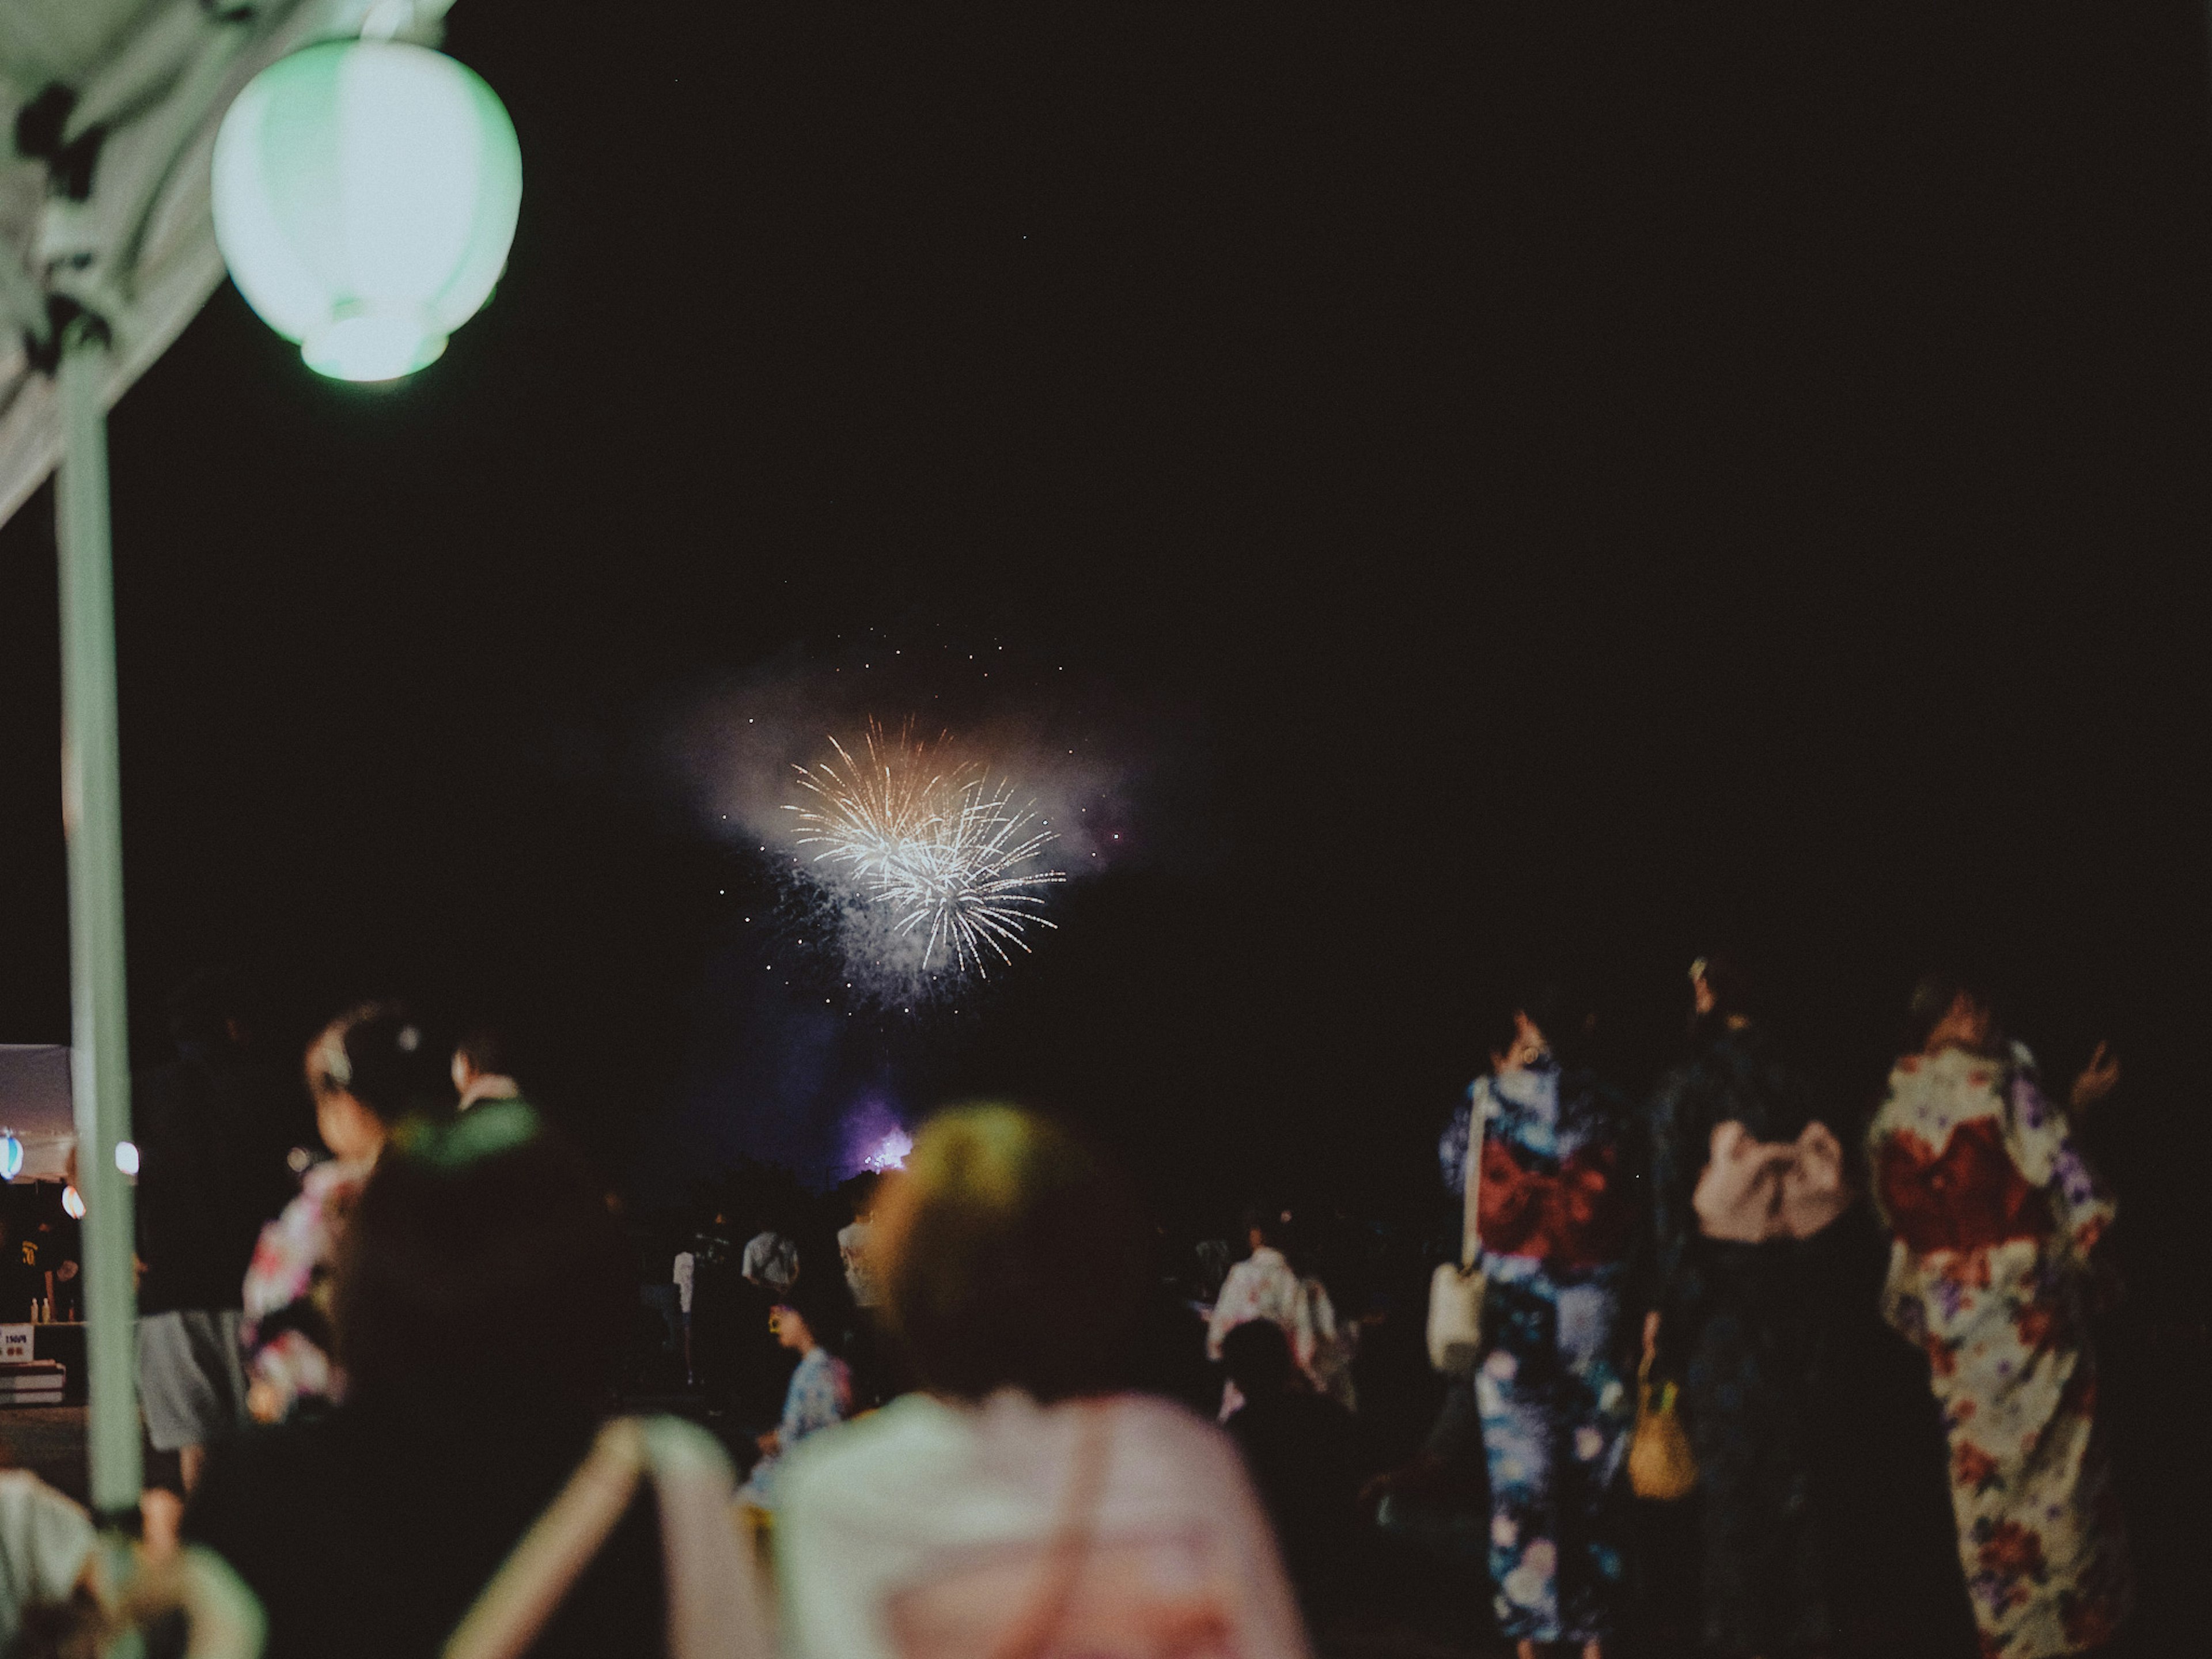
(820, 1397)
(1556, 1210)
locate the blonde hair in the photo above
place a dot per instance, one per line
(1009, 1257)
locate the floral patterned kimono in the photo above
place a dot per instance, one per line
(1995, 1214)
(286, 1329)
(1555, 1216)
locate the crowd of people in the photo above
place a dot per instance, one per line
(985, 1406)
(1711, 1230)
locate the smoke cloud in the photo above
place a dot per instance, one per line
(1074, 755)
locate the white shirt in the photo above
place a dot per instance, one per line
(771, 1261)
(686, 1269)
(852, 1250)
(45, 1542)
(925, 1529)
(1262, 1286)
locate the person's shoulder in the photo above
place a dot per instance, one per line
(45, 1536)
(859, 1467)
(22, 1491)
(1181, 1447)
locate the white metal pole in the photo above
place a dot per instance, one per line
(91, 814)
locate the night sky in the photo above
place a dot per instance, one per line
(1485, 486)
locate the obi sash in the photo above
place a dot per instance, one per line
(1754, 1192)
(1575, 1217)
(1970, 1196)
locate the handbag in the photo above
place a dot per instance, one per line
(1660, 1465)
(1455, 1289)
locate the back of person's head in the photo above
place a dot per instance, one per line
(1731, 983)
(1265, 1219)
(1010, 1257)
(479, 1251)
(1936, 992)
(1559, 1007)
(486, 1050)
(860, 1194)
(381, 1055)
(816, 1299)
(1257, 1356)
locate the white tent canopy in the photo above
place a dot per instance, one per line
(34, 1108)
(111, 213)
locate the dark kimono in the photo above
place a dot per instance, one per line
(1746, 1327)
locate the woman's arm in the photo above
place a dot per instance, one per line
(2042, 1143)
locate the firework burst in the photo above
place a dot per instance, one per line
(932, 841)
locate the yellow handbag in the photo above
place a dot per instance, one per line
(1660, 1465)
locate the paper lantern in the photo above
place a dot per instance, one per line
(365, 198)
(11, 1157)
(73, 1203)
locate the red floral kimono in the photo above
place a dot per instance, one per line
(1995, 1214)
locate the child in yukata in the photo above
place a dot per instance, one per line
(820, 1395)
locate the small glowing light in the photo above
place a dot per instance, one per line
(126, 1157)
(73, 1203)
(11, 1157)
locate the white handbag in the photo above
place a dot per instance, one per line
(1455, 1289)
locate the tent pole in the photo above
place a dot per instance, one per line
(92, 815)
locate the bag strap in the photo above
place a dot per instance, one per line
(1030, 1635)
(711, 1607)
(1477, 1125)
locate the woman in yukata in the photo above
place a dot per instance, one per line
(1997, 1221)
(1264, 1285)
(1555, 1214)
(1748, 1297)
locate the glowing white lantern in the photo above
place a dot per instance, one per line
(11, 1157)
(365, 198)
(72, 1202)
(126, 1157)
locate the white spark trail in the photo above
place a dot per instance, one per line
(946, 850)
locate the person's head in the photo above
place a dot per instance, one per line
(1519, 1045)
(861, 1192)
(1257, 1356)
(482, 1052)
(1009, 1257)
(371, 1067)
(479, 1250)
(1264, 1227)
(1552, 1016)
(1952, 1011)
(1723, 994)
(804, 1317)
